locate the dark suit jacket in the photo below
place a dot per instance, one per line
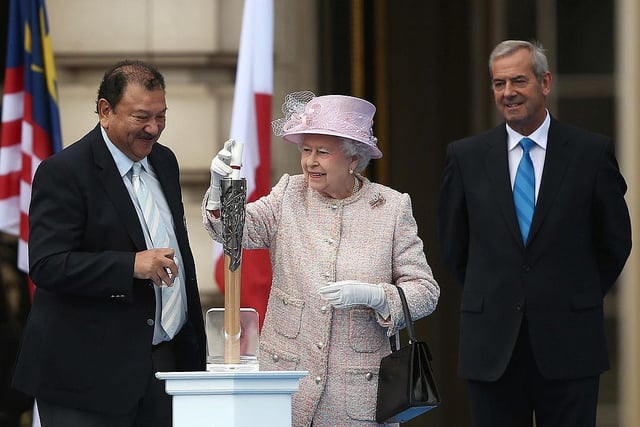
(87, 343)
(579, 241)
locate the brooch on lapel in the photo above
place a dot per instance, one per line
(377, 200)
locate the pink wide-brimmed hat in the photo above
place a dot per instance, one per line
(337, 115)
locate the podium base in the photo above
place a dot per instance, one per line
(234, 399)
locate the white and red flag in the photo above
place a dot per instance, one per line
(251, 125)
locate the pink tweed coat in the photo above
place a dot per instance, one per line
(371, 237)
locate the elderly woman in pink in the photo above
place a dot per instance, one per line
(339, 246)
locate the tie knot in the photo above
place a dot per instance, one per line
(526, 144)
(135, 169)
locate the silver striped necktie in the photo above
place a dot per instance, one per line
(171, 296)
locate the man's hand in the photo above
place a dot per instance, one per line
(157, 265)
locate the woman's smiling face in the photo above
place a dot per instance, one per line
(325, 166)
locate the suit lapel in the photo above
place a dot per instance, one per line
(114, 188)
(497, 168)
(556, 160)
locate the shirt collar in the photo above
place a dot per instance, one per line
(539, 136)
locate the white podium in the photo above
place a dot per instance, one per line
(232, 399)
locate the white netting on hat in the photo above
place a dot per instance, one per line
(294, 104)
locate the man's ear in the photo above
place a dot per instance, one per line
(104, 111)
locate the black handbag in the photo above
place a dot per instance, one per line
(406, 385)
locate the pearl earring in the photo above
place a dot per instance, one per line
(350, 171)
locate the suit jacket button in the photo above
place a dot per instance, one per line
(150, 322)
(526, 268)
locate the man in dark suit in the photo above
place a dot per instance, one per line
(534, 277)
(95, 334)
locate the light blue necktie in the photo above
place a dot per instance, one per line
(171, 296)
(524, 189)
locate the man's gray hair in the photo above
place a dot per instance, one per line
(538, 56)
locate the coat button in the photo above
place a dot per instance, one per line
(323, 309)
(275, 358)
(320, 345)
(150, 322)
(526, 268)
(368, 376)
(318, 380)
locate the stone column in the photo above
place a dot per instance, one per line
(628, 140)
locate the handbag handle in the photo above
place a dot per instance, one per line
(407, 320)
(407, 315)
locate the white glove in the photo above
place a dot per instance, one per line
(219, 169)
(347, 293)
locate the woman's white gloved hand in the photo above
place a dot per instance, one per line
(220, 168)
(347, 293)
